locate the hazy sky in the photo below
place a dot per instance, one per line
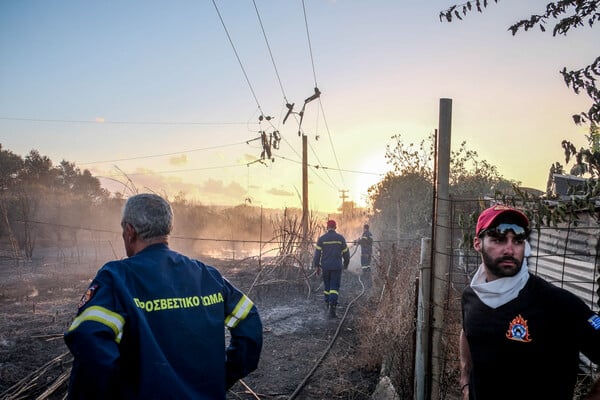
(167, 95)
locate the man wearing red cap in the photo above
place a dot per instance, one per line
(331, 255)
(521, 336)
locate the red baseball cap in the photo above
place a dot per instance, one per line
(489, 215)
(331, 224)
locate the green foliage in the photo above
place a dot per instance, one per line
(586, 160)
(10, 165)
(565, 15)
(403, 199)
(411, 159)
(33, 190)
(402, 202)
(37, 170)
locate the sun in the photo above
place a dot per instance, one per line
(371, 168)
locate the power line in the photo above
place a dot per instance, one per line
(319, 98)
(170, 154)
(309, 44)
(182, 170)
(331, 142)
(324, 170)
(238, 58)
(270, 52)
(103, 121)
(315, 166)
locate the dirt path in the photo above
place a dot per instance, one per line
(37, 306)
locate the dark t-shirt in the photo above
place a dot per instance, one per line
(529, 347)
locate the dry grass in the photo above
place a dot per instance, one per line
(387, 335)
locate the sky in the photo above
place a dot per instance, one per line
(167, 96)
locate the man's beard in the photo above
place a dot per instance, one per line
(493, 265)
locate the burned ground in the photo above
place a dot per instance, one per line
(305, 354)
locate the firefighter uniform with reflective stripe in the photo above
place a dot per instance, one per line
(151, 327)
(366, 249)
(331, 255)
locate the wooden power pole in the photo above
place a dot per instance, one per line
(304, 193)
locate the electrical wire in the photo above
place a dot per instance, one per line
(105, 122)
(309, 44)
(331, 142)
(238, 58)
(270, 52)
(170, 154)
(316, 85)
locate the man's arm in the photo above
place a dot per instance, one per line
(594, 393)
(245, 327)
(93, 339)
(465, 365)
(345, 254)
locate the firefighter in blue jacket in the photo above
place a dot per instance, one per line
(331, 255)
(151, 326)
(366, 252)
(366, 247)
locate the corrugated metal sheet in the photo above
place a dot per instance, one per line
(567, 256)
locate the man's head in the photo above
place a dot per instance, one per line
(146, 218)
(493, 216)
(366, 227)
(501, 233)
(331, 224)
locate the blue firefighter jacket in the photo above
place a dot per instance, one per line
(366, 243)
(331, 251)
(151, 326)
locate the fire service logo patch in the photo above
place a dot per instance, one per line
(87, 296)
(518, 330)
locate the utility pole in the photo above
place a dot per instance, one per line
(304, 193)
(290, 108)
(343, 197)
(441, 242)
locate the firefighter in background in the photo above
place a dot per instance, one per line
(366, 253)
(366, 247)
(331, 255)
(151, 326)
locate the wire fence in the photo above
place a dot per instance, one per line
(566, 255)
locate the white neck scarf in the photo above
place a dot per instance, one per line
(502, 290)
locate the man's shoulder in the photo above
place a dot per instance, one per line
(539, 283)
(331, 236)
(547, 289)
(113, 266)
(340, 236)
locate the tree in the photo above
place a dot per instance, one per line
(566, 14)
(403, 199)
(37, 169)
(89, 186)
(10, 166)
(66, 176)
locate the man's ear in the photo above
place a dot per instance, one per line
(477, 244)
(130, 232)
